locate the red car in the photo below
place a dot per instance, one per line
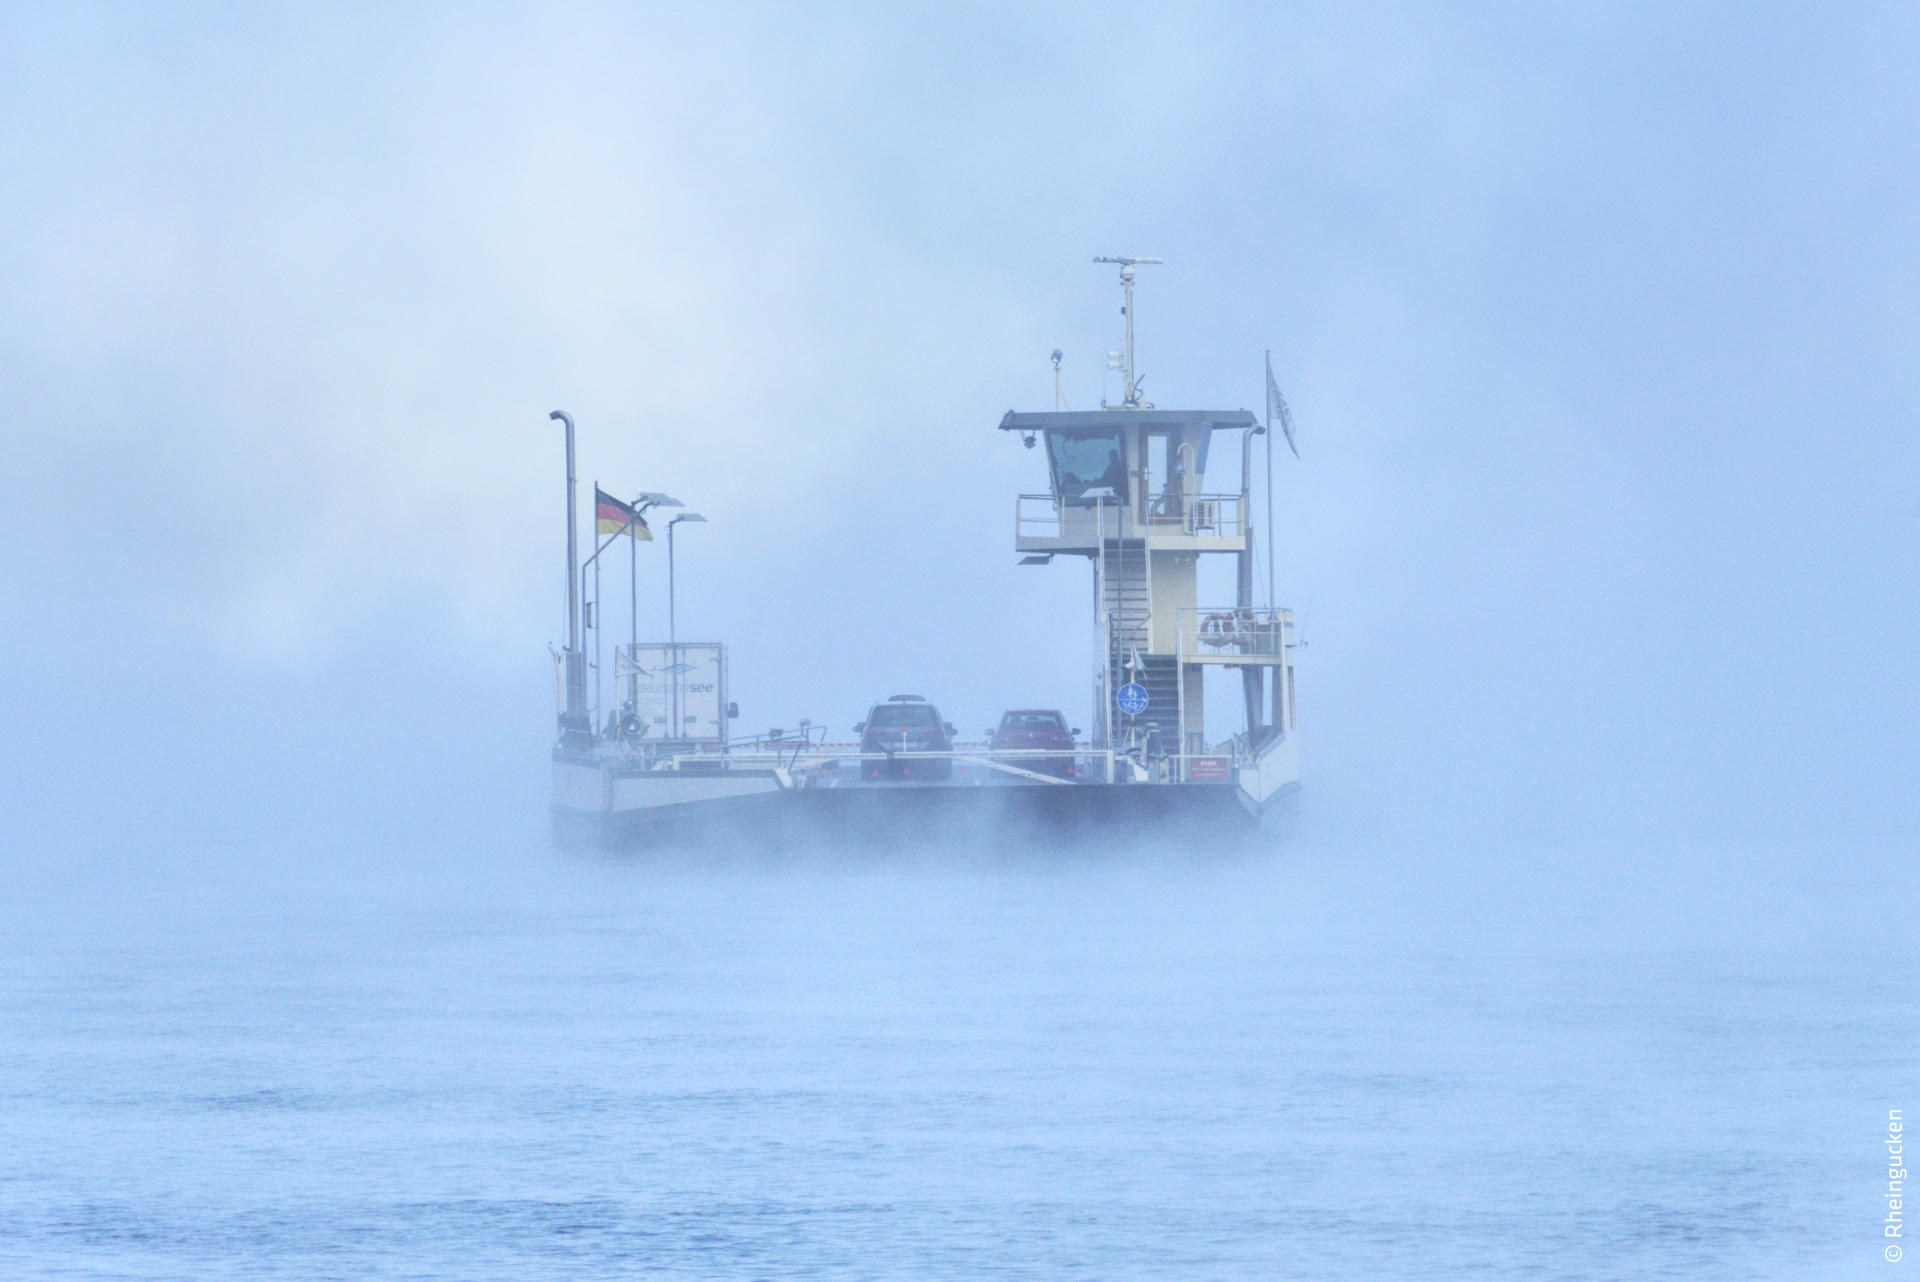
(1032, 728)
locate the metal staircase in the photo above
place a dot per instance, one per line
(1127, 594)
(1159, 673)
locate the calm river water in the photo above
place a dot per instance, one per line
(332, 1058)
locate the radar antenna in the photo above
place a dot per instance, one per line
(1131, 384)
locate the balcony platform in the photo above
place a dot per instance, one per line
(1196, 523)
(1174, 540)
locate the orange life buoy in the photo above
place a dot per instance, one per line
(1217, 629)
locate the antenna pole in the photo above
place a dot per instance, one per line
(1131, 399)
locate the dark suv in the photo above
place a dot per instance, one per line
(1033, 728)
(905, 723)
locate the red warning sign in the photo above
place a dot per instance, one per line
(1209, 769)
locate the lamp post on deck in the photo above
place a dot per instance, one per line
(640, 505)
(1100, 494)
(673, 636)
(652, 498)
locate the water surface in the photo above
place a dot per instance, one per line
(330, 1058)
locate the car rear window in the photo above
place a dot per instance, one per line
(1032, 721)
(901, 716)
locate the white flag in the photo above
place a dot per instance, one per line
(1277, 407)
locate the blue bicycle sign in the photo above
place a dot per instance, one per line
(1131, 699)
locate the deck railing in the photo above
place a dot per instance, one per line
(1219, 515)
(1036, 516)
(1228, 632)
(827, 765)
(1041, 516)
(1137, 759)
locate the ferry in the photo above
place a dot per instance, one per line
(1127, 490)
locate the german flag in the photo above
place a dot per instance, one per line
(611, 516)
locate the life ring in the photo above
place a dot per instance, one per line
(1217, 629)
(1227, 627)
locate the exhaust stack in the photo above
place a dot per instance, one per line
(575, 732)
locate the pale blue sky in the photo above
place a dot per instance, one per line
(1597, 320)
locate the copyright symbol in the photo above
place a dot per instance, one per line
(1893, 1255)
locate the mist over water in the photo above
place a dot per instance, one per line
(430, 1045)
(1583, 952)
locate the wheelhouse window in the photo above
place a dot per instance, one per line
(1085, 461)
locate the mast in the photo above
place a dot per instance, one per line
(1132, 389)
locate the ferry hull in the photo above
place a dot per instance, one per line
(918, 816)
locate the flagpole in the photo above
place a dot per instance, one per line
(633, 609)
(599, 690)
(1271, 604)
(599, 673)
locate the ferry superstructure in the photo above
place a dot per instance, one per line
(1127, 491)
